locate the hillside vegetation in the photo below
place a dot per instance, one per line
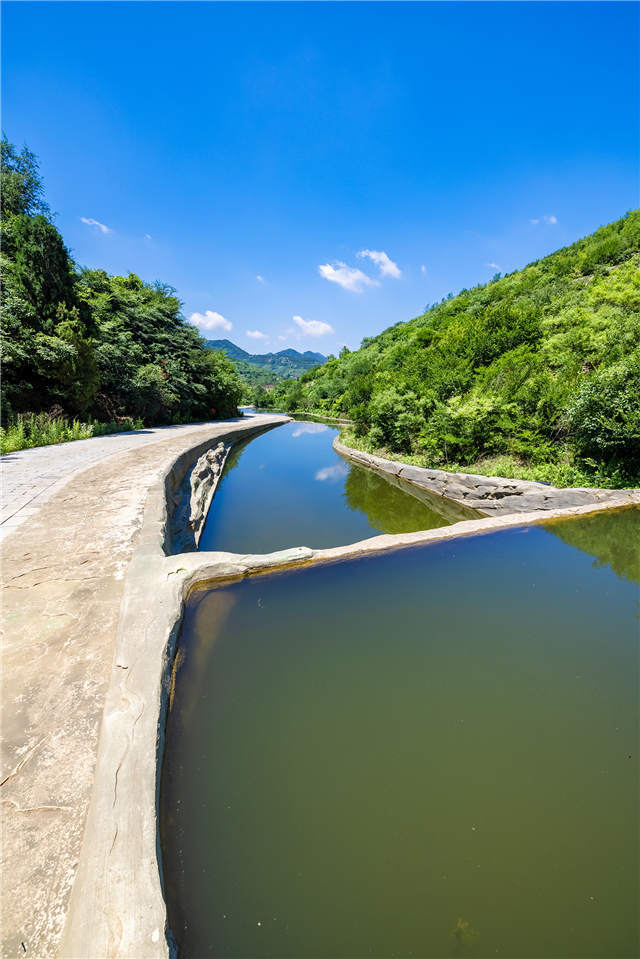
(80, 344)
(285, 364)
(537, 372)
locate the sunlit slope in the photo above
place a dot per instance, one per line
(542, 366)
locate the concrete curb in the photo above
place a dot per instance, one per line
(117, 906)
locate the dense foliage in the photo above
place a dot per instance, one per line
(81, 343)
(540, 367)
(255, 378)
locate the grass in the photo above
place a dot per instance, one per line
(561, 474)
(39, 429)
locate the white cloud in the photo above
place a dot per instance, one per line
(423, 268)
(550, 218)
(346, 276)
(312, 327)
(210, 320)
(91, 222)
(493, 266)
(257, 335)
(332, 472)
(281, 337)
(387, 267)
(259, 278)
(147, 236)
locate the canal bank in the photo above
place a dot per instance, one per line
(488, 495)
(74, 516)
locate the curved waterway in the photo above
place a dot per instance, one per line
(426, 753)
(289, 487)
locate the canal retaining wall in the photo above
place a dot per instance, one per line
(488, 495)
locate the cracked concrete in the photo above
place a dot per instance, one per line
(63, 568)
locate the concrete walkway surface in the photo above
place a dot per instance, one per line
(28, 478)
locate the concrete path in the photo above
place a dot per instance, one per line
(73, 513)
(29, 478)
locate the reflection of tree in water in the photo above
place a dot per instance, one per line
(236, 451)
(386, 507)
(235, 455)
(613, 538)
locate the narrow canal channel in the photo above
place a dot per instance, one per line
(426, 753)
(289, 487)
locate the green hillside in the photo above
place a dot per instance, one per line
(287, 364)
(536, 373)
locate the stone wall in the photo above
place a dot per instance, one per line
(488, 495)
(191, 483)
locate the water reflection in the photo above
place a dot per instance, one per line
(600, 535)
(305, 429)
(289, 487)
(336, 472)
(377, 496)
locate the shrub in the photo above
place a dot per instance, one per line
(604, 419)
(43, 429)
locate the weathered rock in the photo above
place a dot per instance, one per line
(488, 495)
(192, 501)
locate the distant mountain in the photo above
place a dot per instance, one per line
(287, 364)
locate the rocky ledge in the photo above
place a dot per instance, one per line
(489, 495)
(193, 499)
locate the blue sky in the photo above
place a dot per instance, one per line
(251, 154)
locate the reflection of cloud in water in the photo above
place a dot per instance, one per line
(333, 472)
(310, 428)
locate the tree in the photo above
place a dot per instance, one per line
(21, 183)
(39, 266)
(90, 343)
(151, 362)
(604, 419)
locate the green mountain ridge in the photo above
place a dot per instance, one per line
(540, 368)
(287, 363)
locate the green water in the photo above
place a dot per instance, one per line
(288, 487)
(428, 753)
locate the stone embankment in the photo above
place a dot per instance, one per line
(488, 495)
